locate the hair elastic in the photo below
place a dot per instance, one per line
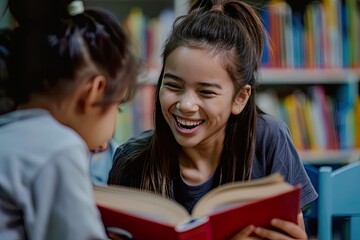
(75, 7)
(217, 8)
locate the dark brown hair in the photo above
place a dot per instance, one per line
(6, 103)
(230, 28)
(50, 47)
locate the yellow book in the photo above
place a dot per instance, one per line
(309, 124)
(293, 121)
(309, 37)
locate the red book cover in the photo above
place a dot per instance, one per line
(227, 223)
(220, 215)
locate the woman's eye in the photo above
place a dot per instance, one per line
(207, 92)
(172, 85)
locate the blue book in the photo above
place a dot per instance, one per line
(345, 35)
(298, 28)
(264, 16)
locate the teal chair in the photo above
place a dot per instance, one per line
(310, 211)
(339, 196)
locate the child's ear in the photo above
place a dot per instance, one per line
(241, 99)
(94, 91)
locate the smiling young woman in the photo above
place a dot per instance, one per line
(208, 129)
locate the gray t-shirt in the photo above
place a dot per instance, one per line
(45, 187)
(275, 152)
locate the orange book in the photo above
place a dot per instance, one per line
(274, 32)
(219, 214)
(310, 38)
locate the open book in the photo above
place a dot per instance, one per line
(219, 214)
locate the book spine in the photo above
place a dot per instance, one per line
(201, 231)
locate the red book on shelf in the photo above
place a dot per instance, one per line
(219, 214)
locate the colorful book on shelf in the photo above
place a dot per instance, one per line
(265, 58)
(320, 35)
(345, 35)
(324, 105)
(332, 35)
(309, 37)
(357, 121)
(268, 102)
(136, 25)
(292, 112)
(346, 98)
(287, 39)
(219, 214)
(275, 35)
(354, 22)
(318, 119)
(300, 100)
(298, 39)
(309, 123)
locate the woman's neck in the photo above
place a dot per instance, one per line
(197, 165)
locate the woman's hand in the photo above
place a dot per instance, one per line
(289, 231)
(245, 234)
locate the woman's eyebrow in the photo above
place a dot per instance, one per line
(172, 76)
(203, 84)
(207, 84)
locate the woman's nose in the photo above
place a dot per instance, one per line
(187, 103)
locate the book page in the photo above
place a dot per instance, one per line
(228, 195)
(141, 203)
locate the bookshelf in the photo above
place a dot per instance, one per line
(333, 157)
(315, 50)
(339, 84)
(307, 66)
(307, 76)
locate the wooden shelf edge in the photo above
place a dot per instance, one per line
(324, 157)
(311, 76)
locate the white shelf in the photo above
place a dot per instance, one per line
(323, 157)
(307, 76)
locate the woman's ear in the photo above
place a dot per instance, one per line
(94, 93)
(241, 100)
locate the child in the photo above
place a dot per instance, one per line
(208, 129)
(101, 162)
(69, 69)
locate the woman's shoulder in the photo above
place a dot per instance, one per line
(127, 160)
(269, 124)
(271, 131)
(134, 144)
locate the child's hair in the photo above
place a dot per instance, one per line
(57, 40)
(6, 104)
(233, 30)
